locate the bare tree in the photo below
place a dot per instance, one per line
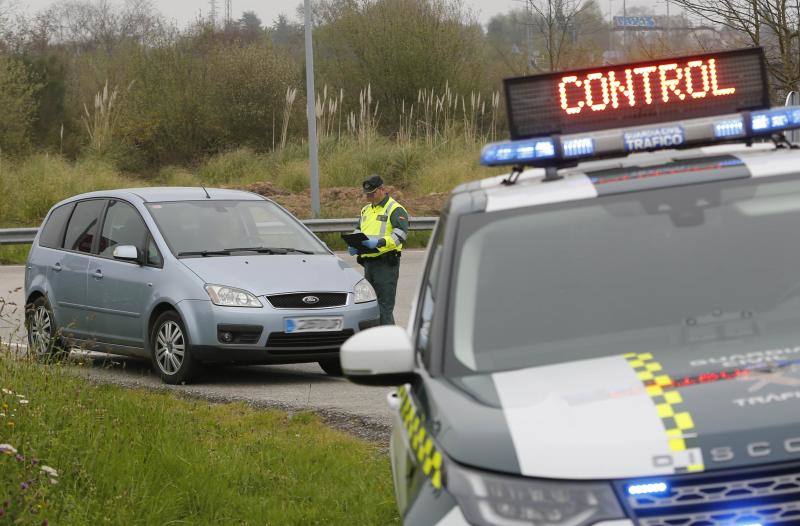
(772, 24)
(140, 20)
(562, 25)
(7, 9)
(92, 24)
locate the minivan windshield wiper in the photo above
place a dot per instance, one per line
(205, 253)
(269, 250)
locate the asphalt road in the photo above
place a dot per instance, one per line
(359, 409)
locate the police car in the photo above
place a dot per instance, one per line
(609, 334)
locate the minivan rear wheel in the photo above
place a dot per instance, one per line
(44, 341)
(332, 366)
(169, 346)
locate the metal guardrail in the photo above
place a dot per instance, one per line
(346, 225)
(17, 236)
(24, 236)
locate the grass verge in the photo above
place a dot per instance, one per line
(125, 456)
(13, 254)
(30, 186)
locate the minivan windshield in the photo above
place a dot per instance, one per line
(676, 269)
(219, 228)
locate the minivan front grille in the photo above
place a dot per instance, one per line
(290, 343)
(308, 300)
(770, 496)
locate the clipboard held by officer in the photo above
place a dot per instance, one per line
(356, 239)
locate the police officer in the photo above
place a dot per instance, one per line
(385, 222)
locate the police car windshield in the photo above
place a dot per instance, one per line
(671, 271)
(198, 228)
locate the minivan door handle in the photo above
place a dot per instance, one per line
(57, 267)
(98, 274)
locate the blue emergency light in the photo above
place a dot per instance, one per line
(648, 488)
(558, 118)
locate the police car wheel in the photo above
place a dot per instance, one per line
(332, 367)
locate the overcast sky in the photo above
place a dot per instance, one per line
(184, 11)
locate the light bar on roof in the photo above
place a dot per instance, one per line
(566, 149)
(774, 120)
(519, 152)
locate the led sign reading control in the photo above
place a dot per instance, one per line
(636, 94)
(674, 82)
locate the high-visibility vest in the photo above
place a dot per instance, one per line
(375, 223)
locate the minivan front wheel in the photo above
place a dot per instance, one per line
(43, 339)
(170, 349)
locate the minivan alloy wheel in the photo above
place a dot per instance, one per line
(170, 347)
(40, 330)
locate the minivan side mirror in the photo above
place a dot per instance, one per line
(379, 356)
(126, 253)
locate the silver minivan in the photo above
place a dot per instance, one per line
(186, 276)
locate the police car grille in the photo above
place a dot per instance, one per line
(283, 343)
(295, 301)
(753, 497)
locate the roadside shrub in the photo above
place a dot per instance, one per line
(17, 106)
(242, 165)
(41, 180)
(294, 176)
(399, 47)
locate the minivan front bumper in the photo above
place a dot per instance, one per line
(263, 329)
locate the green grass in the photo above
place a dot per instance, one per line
(13, 254)
(31, 186)
(37, 182)
(139, 457)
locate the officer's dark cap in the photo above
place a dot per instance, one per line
(373, 183)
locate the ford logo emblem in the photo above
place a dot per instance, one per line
(310, 300)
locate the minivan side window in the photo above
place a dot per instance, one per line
(82, 228)
(122, 226)
(153, 257)
(53, 231)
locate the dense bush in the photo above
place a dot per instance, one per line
(120, 82)
(400, 47)
(17, 105)
(188, 100)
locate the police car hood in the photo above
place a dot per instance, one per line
(264, 274)
(637, 415)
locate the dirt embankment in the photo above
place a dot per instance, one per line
(346, 201)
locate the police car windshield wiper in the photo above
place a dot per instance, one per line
(269, 250)
(205, 253)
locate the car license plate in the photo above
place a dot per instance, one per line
(326, 324)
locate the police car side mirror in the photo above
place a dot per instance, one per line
(379, 356)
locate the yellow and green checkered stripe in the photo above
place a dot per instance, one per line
(672, 410)
(421, 444)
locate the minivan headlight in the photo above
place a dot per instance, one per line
(364, 292)
(488, 499)
(231, 297)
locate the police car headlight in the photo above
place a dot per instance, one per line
(488, 499)
(364, 292)
(231, 297)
